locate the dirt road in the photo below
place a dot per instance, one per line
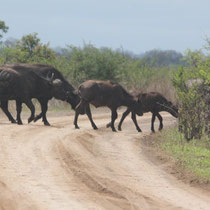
(60, 168)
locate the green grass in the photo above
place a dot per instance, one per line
(193, 155)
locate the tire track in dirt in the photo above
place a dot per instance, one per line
(105, 191)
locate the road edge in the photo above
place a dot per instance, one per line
(152, 150)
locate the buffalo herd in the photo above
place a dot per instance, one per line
(23, 82)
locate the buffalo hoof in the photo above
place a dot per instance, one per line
(108, 125)
(114, 130)
(30, 119)
(77, 127)
(139, 130)
(95, 128)
(47, 123)
(13, 121)
(160, 128)
(20, 123)
(119, 129)
(37, 118)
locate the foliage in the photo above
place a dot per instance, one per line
(27, 50)
(29, 43)
(192, 85)
(3, 28)
(162, 58)
(11, 55)
(90, 62)
(34, 50)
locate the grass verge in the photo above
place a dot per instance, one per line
(192, 159)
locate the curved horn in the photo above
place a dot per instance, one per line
(47, 78)
(50, 78)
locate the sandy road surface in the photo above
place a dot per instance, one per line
(60, 168)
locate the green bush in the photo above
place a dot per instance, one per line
(192, 84)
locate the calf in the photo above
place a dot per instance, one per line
(104, 93)
(152, 102)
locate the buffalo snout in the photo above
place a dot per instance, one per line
(137, 107)
(175, 112)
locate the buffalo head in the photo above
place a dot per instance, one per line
(73, 98)
(137, 106)
(58, 90)
(173, 110)
(57, 87)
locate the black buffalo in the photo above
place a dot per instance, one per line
(104, 93)
(152, 102)
(22, 82)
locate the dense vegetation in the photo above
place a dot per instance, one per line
(192, 85)
(182, 79)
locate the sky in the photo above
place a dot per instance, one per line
(132, 25)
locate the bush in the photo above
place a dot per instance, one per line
(192, 85)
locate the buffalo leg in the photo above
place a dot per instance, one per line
(108, 125)
(77, 113)
(114, 117)
(80, 109)
(125, 114)
(152, 123)
(76, 119)
(161, 121)
(39, 116)
(4, 107)
(30, 105)
(133, 116)
(44, 108)
(19, 109)
(88, 112)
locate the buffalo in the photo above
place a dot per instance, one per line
(104, 93)
(152, 102)
(22, 82)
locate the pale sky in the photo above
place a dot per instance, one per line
(134, 25)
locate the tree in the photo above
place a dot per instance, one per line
(162, 58)
(27, 50)
(3, 28)
(34, 50)
(28, 43)
(90, 62)
(192, 84)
